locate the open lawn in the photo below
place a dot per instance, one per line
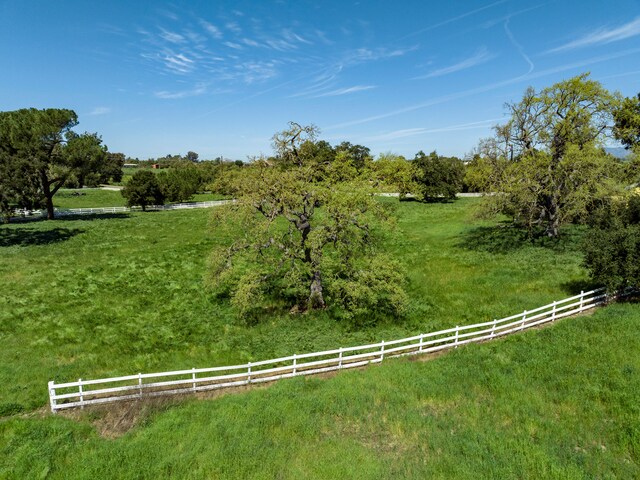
(113, 295)
(96, 197)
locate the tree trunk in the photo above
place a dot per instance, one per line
(553, 218)
(50, 210)
(48, 196)
(316, 299)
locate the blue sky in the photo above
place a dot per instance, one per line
(221, 77)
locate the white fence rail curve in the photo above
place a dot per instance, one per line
(101, 210)
(89, 392)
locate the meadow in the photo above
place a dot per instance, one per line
(97, 197)
(118, 294)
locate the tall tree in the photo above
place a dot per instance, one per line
(393, 173)
(306, 236)
(360, 154)
(180, 182)
(143, 190)
(84, 155)
(540, 149)
(436, 177)
(45, 142)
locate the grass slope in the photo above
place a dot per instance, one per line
(112, 295)
(107, 296)
(554, 403)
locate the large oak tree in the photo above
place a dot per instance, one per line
(545, 166)
(303, 231)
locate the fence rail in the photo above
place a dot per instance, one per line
(141, 385)
(101, 210)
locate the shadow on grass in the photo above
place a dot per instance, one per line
(506, 238)
(66, 218)
(25, 237)
(575, 287)
(94, 216)
(502, 238)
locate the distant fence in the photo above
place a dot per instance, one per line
(142, 385)
(102, 210)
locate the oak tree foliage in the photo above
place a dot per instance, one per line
(612, 246)
(303, 233)
(545, 167)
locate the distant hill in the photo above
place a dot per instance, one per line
(618, 152)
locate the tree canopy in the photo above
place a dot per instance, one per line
(627, 122)
(612, 246)
(436, 177)
(143, 190)
(40, 144)
(545, 166)
(304, 233)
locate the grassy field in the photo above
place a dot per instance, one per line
(113, 295)
(96, 197)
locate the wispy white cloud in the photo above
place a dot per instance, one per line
(518, 47)
(503, 18)
(453, 19)
(294, 37)
(211, 29)
(410, 132)
(171, 36)
(487, 88)
(100, 111)
(233, 27)
(602, 36)
(177, 63)
(235, 46)
(197, 90)
(346, 91)
(618, 75)
(373, 54)
(481, 56)
(250, 43)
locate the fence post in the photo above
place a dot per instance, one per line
(81, 393)
(193, 377)
(493, 328)
(382, 351)
(340, 359)
(553, 312)
(421, 342)
(52, 397)
(294, 364)
(140, 384)
(581, 300)
(524, 318)
(248, 372)
(456, 340)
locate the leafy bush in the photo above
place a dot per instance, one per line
(143, 189)
(612, 247)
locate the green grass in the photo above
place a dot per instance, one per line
(95, 297)
(109, 296)
(87, 198)
(554, 403)
(96, 197)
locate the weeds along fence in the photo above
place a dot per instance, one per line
(141, 385)
(103, 210)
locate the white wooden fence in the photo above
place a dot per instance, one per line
(102, 210)
(88, 392)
